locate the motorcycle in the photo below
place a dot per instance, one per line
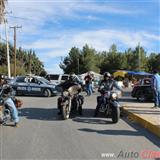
(71, 101)
(5, 110)
(5, 113)
(108, 105)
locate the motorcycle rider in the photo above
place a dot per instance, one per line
(108, 83)
(8, 100)
(71, 81)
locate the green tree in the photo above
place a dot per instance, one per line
(136, 59)
(22, 61)
(81, 60)
(153, 62)
(113, 60)
(89, 59)
(71, 62)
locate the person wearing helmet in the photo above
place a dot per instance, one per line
(108, 83)
(8, 100)
(72, 80)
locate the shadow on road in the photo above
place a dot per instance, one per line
(48, 114)
(92, 120)
(139, 131)
(112, 132)
(88, 118)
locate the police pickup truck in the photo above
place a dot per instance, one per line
(33, 85)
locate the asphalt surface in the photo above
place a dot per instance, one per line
(43, 135)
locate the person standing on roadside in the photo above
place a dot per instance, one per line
(88, 83)
(156, 88)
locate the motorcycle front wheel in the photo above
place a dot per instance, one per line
(115, 114)
(65, 111)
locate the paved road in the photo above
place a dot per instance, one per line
(43, 135)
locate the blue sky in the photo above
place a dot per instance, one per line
(52, 27)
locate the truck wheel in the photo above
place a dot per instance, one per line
(47, 93)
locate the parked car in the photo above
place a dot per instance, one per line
(143, 91)
(57, 78)
(33, 85)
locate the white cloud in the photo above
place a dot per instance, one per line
(99, 39)
(34, 15)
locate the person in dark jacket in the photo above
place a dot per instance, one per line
(107, 84)
(72, 80)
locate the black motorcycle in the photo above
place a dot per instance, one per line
(71, 101)
(108, 105)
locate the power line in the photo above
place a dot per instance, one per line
(25, 19)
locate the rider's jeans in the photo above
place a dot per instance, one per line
(89, 89)
(157, 98)
(13, 108)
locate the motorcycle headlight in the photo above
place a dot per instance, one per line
(114, 96)
(1, 101)
(65, 93)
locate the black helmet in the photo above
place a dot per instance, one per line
(107, 74)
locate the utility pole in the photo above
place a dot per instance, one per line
(2, 7)
(4, 20)
(15, 39)
(8, 58)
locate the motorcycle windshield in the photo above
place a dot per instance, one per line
(74, 89)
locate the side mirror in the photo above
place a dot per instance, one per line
(39, 82)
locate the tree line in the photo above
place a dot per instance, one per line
(88, 59)
(82, 60)
(26, 60)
